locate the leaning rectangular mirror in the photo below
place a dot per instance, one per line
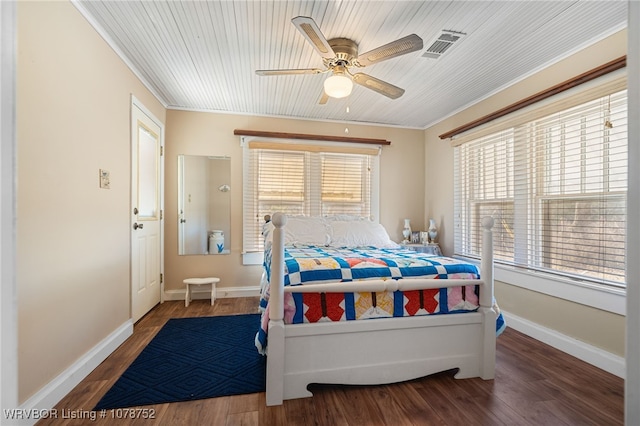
(204, 204)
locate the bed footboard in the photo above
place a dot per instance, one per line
(382, 350)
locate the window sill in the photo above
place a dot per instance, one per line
(596, 296)
(589, 294)
(252, 258)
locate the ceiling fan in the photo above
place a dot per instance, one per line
(340, 54)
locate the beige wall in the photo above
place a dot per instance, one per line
(194, 133)
(593, 326)
(599, 328)
(73, 103)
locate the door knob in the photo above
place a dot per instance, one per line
(136, 226)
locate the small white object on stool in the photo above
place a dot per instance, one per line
(200, 281)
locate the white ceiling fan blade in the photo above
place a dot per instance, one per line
(377, 85)
(312, 33)
(290, 71)
(402, 46)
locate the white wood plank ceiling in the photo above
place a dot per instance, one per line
(202, 55)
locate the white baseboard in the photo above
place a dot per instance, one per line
(47, 397)
(221, 292)
(595, 356)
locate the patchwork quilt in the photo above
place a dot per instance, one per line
(317, 265)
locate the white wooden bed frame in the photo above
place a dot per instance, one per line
(380, 351)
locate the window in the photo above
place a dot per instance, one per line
(280, 182)
(301, 179)
(345, 184)
(556, 186)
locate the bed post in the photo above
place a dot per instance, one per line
(275, 351)
(487, 368)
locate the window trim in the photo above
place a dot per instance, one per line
(590, 294)
(601, 297)
(358, 146)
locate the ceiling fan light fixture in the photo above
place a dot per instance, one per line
(339, 54)
(338, 86)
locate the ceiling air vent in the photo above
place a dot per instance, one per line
(445, 40)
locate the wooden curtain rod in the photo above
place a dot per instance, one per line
(614, 65)
(282, 135)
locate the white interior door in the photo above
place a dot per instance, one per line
(146, 212)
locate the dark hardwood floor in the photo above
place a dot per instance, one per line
(534, 385)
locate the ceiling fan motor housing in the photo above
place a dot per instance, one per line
(346, 51)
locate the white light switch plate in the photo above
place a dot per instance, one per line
(104, 179)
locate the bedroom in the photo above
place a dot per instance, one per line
(82, 260)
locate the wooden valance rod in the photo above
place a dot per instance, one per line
(282, 135)
(614, 65)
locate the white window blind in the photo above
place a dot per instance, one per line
(556, 186)
(346, 184)
(304, 179)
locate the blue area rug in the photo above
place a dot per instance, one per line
(193, 358)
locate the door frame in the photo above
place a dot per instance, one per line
(180, 204)
(135, 103)
(8, 213)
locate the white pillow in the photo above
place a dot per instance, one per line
(345, 217)
(304, 230)
(360, 233)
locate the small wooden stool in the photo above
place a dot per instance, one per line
(200, 281)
